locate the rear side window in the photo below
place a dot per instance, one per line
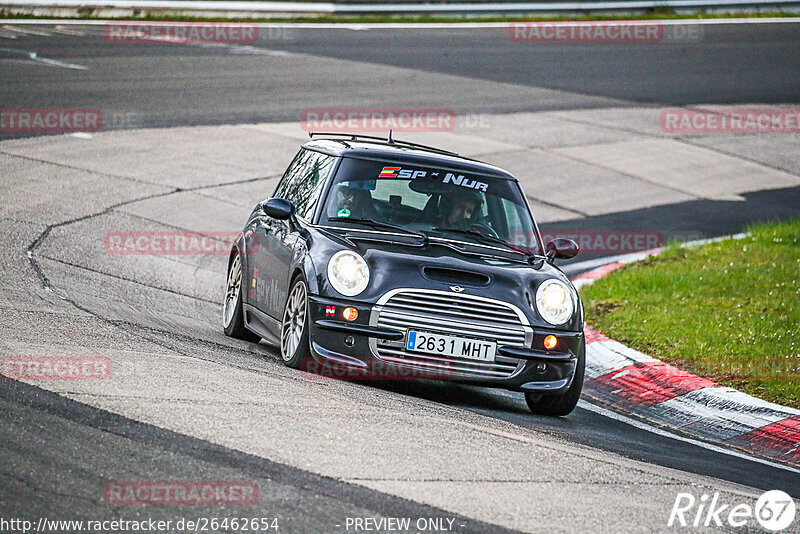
(303, 181)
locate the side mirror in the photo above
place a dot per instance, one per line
(278, 208)
(561, 248)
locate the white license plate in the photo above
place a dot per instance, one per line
(451, 346)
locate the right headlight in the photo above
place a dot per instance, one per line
(348, 273)
(554, 301)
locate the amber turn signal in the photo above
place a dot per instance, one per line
(351, 314)
(550, 342)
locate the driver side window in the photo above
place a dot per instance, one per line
(303, 181)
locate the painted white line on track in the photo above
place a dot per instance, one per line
(33, 56)
(405, 25)
(67, 31)
(247, 50)
(605, 412)
(255, 51)
(56, 63)
(28, 31)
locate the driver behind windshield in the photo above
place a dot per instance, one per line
(352, 202)
(458, 209)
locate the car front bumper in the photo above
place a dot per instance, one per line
(358, 350)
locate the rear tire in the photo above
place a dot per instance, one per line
(563, 404)
(232, 309)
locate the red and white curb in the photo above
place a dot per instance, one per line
(637, 384)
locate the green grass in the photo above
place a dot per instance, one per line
(729, 311)
(658, 14)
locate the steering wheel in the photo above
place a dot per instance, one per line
(483, 229)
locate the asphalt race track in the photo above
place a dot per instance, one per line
(193, 136)
(466, 70)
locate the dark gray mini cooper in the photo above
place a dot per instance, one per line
(381, 258)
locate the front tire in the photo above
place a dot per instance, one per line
(232, 310)
(563, 404)
(295, 328)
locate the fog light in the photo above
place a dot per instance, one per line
(550, 342)
(541, 367)
(351, 314)
(349, 341)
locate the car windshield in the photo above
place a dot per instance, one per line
(439, 202)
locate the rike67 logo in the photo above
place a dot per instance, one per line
(774, 510)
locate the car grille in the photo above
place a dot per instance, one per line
(452, 314)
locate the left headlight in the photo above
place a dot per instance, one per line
(348, 273)
(554, 301)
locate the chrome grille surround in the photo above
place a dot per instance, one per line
(457, 314)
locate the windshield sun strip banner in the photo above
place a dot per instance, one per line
(454, 178)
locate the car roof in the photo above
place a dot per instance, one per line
(398, 153)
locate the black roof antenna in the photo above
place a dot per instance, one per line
(390, 140)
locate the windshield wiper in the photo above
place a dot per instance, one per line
(381, 224)
(527, 257)
(486, 238)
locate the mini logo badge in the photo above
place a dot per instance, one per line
(457, 289)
